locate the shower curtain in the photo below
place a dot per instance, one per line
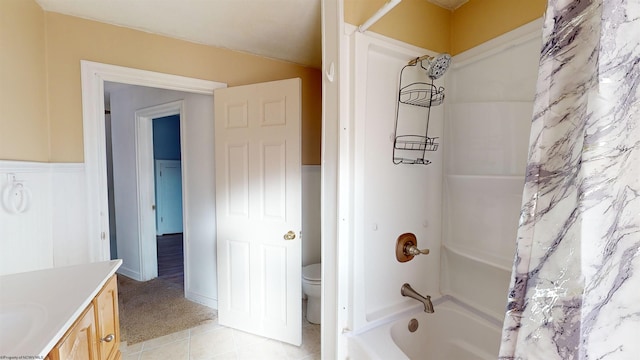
(575, 288)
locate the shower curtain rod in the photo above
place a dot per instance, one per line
(380, 13)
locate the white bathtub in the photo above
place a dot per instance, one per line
(453, 332)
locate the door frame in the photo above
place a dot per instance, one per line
(93, 76)
(335, 210)
(145, 173)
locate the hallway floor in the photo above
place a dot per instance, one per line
(215, 342)
(171, 258)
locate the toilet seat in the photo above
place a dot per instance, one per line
(312, 273)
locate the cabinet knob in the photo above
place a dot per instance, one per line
(108, 338)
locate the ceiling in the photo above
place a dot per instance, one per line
(281, 29)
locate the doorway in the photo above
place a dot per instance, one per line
(159, 177)
(134, 112)
(195, 187)
(168, 198)
(198, 175)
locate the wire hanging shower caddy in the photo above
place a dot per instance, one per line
(411, 148)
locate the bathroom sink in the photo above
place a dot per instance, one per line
(18, 322)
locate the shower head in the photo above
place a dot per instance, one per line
(438, 65)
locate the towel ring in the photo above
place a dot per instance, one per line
(16, 197)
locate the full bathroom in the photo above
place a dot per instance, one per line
(423, 208)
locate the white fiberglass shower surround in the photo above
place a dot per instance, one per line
(463, 206)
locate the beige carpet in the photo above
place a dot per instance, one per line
(155, 308)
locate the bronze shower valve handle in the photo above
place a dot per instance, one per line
(407, 247)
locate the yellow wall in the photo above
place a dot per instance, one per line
(70, 39)
(478, 21)
(40, 93)
(24, 131)
(420, 23)
(415, 22)
(25, 128)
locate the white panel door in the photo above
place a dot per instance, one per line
(258, 202)
(168, 197)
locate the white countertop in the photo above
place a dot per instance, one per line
(38, 307)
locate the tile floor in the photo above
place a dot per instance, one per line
(213, 341)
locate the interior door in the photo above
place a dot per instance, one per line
(258, 207)
(168, 197)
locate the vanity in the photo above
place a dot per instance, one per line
(61, 313)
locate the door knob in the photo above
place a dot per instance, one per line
(290, 235)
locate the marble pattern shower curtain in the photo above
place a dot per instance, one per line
(575, 288)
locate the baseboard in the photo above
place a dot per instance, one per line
(202, 300)
(129, 273)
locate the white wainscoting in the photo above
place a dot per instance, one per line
(71, 242)
(311, 197)
(52, 230)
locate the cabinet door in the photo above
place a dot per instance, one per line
(79, 342)
(107, 320)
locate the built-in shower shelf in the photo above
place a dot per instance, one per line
(421, 94)
(480, 257)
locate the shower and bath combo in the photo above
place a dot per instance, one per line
(411, 147)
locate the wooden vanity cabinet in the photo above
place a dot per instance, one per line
(96, 333)
(79, 342)
(108, 321)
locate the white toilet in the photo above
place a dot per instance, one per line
(311, 286)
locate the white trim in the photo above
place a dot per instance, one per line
(201, 299)
(128, 272)
(499, 44)
(334, 52)
(67, 167)
(378, 38)
(147, 245)
(29, 167)
(93, 76)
